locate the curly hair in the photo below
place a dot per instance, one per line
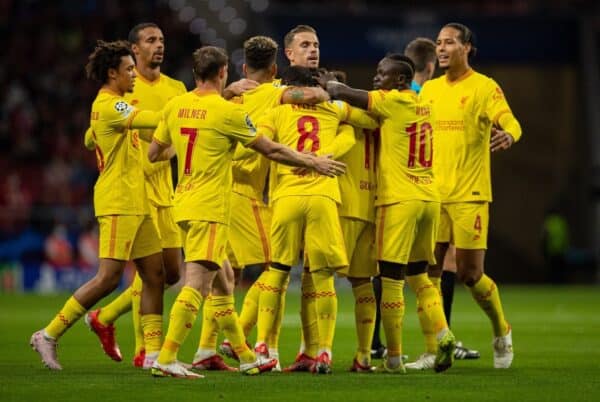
(106, 55)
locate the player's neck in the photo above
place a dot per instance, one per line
(113, 87)
(261, 77)
(420, 78)
(148, 73)
(454, 73)
(208, 86)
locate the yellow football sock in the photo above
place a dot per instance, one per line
(308, 316)
(183, 315)
(486, 294)
(273, 338)
(437, 282)
(119, 306)
(227, 319)
(249, 313)
(136, 302)
(67, 316)
(268, 302)
(210, 328)
(326, 308)
(392, 314)
(364, 316)
(429, 309)
(152, 327)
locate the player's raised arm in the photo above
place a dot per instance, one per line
(337, 90)
(306, 95)
(239, 87)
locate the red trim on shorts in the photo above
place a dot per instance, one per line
(261, 231)
(113, 237)
(211, 241)
(380, 240)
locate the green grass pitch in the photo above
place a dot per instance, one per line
(556, 335)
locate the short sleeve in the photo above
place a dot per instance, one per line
(379, 103)
(120, 113)
(239, 126)
(266, 124)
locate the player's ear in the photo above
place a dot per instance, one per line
(245, 69)
(288, 53)
(112, 73)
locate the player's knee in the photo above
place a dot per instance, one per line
(469, 275)
(391, 270)
(172, 277)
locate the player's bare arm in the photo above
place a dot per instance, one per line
(239, 87)
(355, 97)
(308, 95)
(160, 152)
(281, 154)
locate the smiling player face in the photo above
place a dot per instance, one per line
(450, 51)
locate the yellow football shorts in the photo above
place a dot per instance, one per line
(204, 241)
(359, 238)
(406, 231)
(249, 232)
(127, 237)
(464, 224)
(311, 221)
(169, 232)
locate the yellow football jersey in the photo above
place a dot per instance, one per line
(308, 128)
(204, 129)
(119, 189)
(154, 95)
(405, 169)
(250, 174)
(464, 112)
(358, 184)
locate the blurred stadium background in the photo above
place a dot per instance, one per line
(545, 55)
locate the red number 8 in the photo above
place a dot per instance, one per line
(312, 134)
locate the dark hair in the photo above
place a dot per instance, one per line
(405, 64)
(207, 62)
(260, 52)
(106, 55)
(299, 76)
(466, 36)
(421, 51)
(289, 37)
(134, 34)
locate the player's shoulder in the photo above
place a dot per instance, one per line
(172, 83)
(113, 104)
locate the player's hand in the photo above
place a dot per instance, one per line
(500, 140)
(322, 76)
(239, 87)
(328, 167)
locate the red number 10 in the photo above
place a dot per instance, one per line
(192, 133)
(425, 139)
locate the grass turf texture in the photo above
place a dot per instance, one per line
(556, 332)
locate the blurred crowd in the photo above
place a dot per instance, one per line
(48, 175)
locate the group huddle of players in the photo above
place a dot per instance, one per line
(372, 185)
